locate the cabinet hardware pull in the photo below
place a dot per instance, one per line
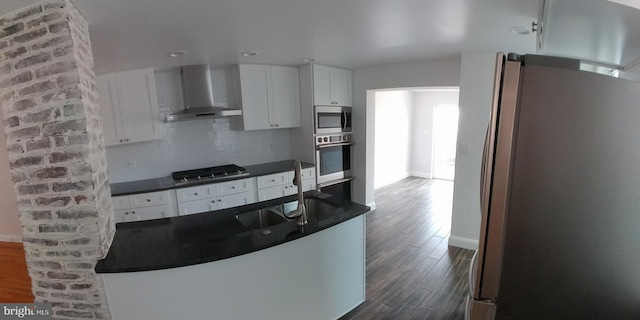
(195, 194)
(121, 140)
(148, 200)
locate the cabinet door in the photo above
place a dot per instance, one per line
(286, 96)
(149, 213)
(198, 206)
(321, 85)
(110, 109)
(255, 87)
(234, 200)
(139, 104)
(341, 87)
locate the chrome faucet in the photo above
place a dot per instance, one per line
(301, 211)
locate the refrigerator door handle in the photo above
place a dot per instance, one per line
(472, 273)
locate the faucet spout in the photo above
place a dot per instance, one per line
(301, 211)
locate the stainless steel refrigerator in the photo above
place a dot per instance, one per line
(560, 195)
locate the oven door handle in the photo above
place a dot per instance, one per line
(333, 182)
(322, 146)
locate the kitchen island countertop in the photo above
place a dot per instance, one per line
(206, 237)
(166, 183)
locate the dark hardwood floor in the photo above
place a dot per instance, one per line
(15, 283)
(411, 271)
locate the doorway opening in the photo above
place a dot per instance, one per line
(415, 134)
(445, 132)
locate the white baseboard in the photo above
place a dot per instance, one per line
(421, 174)
(372, 205)
(463, 243)
(10, 238)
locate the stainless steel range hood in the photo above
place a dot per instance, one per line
(198, 96)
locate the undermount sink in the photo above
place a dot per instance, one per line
(316, 209)
(260, 219)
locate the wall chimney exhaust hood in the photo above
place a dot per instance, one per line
(198, 96)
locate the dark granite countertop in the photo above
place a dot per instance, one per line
(166, 183)
(206, 237)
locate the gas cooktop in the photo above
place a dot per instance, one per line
(195, 176)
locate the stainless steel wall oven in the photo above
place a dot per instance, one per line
(333, 158)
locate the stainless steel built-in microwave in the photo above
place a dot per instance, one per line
(330, 119)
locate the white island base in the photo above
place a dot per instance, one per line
(320, 276)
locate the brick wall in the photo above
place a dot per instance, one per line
(57, 156)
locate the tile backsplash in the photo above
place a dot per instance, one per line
(198, 143)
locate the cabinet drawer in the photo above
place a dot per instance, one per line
(308, 173)
(308, 184)
(235, 200)
(197, 206)
(120, 203)
(195, 193)
(276, 192)
(232, 187)
(276, 179)
(120, 215)
(149, 199)
(150, 213)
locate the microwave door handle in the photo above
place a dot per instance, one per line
(344, 119)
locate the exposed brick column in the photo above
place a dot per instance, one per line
(56, 151)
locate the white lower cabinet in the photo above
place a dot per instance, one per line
(215, 196)
(209, 197)
(145, 206)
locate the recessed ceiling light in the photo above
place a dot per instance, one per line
(249, 53)
(520, 30)
(179, 53)
(308, 59)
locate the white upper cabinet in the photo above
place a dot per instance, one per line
(270, 97)
(129, 106)
(286, 96)
(331, 86)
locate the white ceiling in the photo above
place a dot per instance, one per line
(129, 34)
(346, 33)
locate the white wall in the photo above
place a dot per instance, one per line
(476, 91)
(10, 227)
(199, 143)
(393, 136)
(424, 102)
(435, 73)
